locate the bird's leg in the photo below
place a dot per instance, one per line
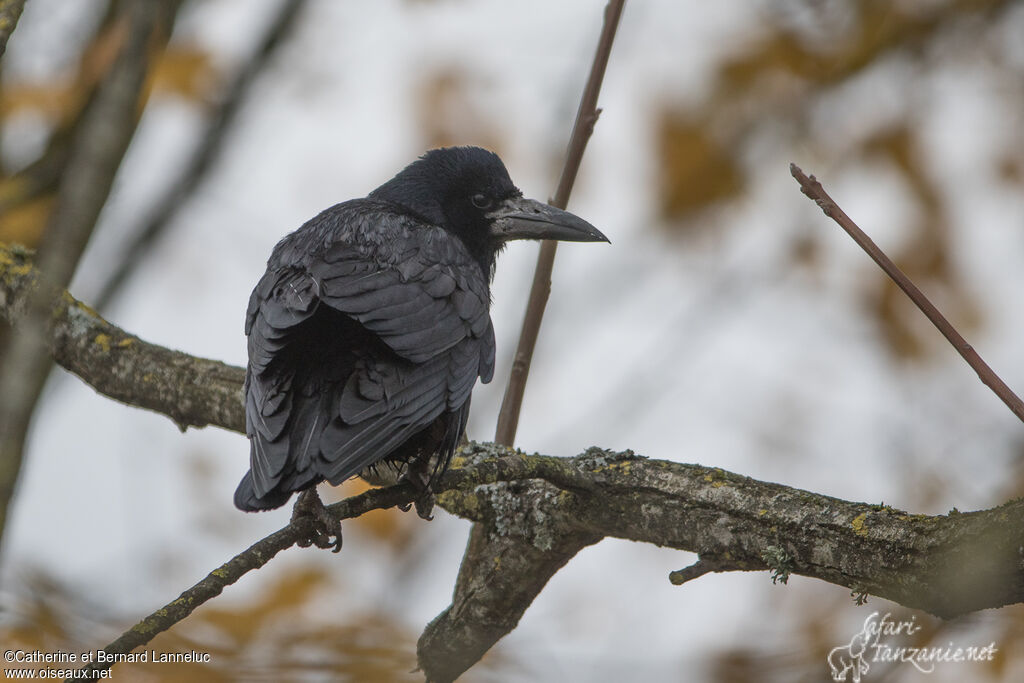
(324, 526)
(417, 472)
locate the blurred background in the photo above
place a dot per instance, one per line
(729, 324)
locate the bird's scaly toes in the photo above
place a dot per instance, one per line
(324, 526)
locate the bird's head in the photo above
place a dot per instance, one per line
(467, 191)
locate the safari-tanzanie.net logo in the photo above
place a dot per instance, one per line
(872, 645)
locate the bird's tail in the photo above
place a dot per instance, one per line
(247, 500)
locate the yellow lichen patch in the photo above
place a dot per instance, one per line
(12, 264)
(912, 518)
(72, 301)
(858, 524)
(762, 512)
(105, 342)
(716, 478)
(624, 466)
(20, 270)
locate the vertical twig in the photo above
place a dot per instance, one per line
(586, 117)
(813, 189)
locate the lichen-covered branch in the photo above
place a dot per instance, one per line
(535, 512)
(518, 543)
(541, 508)
(191, 391)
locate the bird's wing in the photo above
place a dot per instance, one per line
(423, 300)
(428, 304)
(424, 304)
(281, 301)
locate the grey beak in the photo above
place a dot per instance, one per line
(527, 219)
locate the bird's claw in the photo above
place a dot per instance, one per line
(425, 505)
(323, 525)
(419, 477)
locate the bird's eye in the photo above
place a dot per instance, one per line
(481, 201)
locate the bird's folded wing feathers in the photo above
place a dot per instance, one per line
(420, 303)
(417, 306)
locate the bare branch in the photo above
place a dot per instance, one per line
(696, 570)
(813, 189)
(586, 117)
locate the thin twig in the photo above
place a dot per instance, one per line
(586, 117)
(209, 149)
(467, 473)
(699, 568)
(813, 189)
(238, 566)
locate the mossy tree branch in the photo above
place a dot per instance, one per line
(535, 512)
(194, 392)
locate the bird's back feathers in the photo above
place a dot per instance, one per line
(368, 327)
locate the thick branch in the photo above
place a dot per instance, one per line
(947, 565)
(509, 559)
(191, 391)
(534, 512)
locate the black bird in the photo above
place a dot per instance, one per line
(372, 324)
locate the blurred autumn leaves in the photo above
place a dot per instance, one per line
(280, 634)
(27, 193)
(776, 84)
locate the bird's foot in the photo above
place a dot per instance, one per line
(424, 505)
(418, 476)
(324, 526)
